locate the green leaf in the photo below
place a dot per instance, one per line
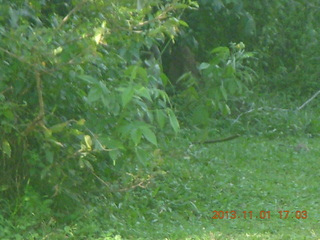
(81, 122)
(59, 127)
(136, 135)
(149, 135)
(89, 79)
(88, 164)
(204, 65)
(6, 148)
(49, 156)
(224, 92)
(221, 50)
(127, 95)
(173, 120)
(94, 94)
(4, 188)
(104, 88)
(221, 54)
(144, 92)
(224, 108)
(161, 118)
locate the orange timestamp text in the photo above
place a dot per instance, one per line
(284, 214)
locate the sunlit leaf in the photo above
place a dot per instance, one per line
(204, 65)
(59, 127)
(6, 148)
(81, 122)
(88, 141)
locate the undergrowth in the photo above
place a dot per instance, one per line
(174, 195)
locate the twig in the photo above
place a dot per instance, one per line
(15, 56)
(40, 96)
(76, 8)
(160, 17)
(33, 124)
(6, 90)
(309, 100)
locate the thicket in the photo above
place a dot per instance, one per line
(86, 97)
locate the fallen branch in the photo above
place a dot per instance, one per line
(309, 100)
(218, 140)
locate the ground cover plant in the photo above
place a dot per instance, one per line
(159, 119)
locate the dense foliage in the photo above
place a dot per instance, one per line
(95, 94)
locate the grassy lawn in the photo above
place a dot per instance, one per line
(248, 174)
(191, 181)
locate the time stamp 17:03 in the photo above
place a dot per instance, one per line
(259, 215)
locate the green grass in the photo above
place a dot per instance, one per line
(189, 182)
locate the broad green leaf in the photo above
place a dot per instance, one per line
(142, 74)
(89, 79)
(144, 92)
(94, 94)
(136, 135)
(161, 118)
(106, 100)
(131, 72)
(88, 164)
(149, 135)
(220, 54)
(224, 92)
(127, 95)
(104, 88)
(223, 50)
(173, 120)
(6, 148)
